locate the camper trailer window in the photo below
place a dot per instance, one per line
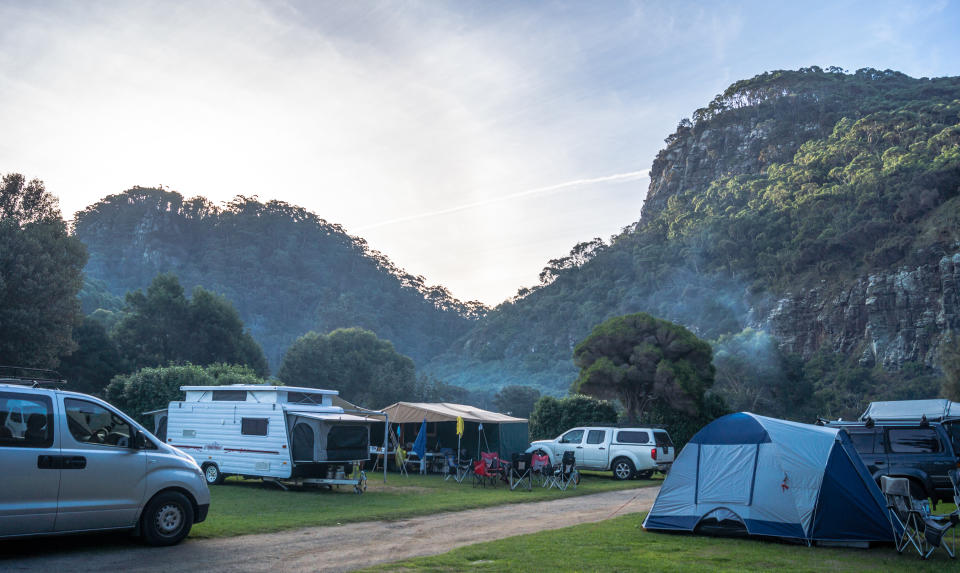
(304, 398)
(348, 443)
(253, 426)
(914, 441)
(229, 396)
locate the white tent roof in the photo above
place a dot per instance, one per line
(406, 412)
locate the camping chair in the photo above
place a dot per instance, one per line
(494, 467)
(566, 473)
(452, 470)
(402, 460)
(482, 475)
(520, 471)
(540, 468)
(912, 523)
(954, 476)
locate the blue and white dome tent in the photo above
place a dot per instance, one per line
(768, 477)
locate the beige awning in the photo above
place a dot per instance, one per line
(406, 412)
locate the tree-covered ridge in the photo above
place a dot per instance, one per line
(285, 270)
(786, 180)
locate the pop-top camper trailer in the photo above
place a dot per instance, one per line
(278, 433)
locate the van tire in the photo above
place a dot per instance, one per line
(211, 474)
(622, 469)
(167, 519)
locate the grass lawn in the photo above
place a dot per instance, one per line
(621, 544)
(250, 506)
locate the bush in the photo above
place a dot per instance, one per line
(552, 416)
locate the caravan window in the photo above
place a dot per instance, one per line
(304, 398)
(254, 426)
(229, 395)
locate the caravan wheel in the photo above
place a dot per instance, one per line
(212, 474)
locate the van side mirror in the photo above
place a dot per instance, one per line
(139, 441)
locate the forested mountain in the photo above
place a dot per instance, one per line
(285, 270)
(817, 206)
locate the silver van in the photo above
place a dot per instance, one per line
(73, 463)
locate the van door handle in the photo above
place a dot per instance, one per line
(48, 462)
(74, 462)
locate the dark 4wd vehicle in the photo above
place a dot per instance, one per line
(919, 451)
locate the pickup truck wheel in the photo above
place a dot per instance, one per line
(622, 469)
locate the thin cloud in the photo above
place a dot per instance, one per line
(615, 178)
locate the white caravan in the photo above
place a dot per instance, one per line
(271, 432)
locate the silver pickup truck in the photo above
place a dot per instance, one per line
(628, 452)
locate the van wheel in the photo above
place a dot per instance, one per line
(212, 474)
(167, 519)
(622, 469)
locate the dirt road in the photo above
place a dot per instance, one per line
(336, 548)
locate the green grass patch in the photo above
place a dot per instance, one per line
(251, 506)
(621, 544)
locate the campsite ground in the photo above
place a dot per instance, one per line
(621, 544)
(331, 548)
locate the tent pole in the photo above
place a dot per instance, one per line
(386, 432)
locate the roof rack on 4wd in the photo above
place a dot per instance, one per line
(34, 377)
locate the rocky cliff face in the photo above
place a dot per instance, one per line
(888, 318)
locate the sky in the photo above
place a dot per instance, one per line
(470, 142)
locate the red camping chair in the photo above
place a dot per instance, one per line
(482, 474)
(540, 467)
(494, 466)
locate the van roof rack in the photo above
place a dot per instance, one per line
(33, 377)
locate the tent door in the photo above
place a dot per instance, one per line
(721, 522)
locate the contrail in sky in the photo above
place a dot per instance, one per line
(617, 177)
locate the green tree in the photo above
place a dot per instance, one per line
(553, 416)
(365, 370)
(950, 363)
(161, 326)
(40, 276)
(640, 360)
(95, 361)
(154, 388)
(516, 400)
(431, 389)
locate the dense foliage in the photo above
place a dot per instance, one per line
(40, 275)
(553, 416)
(285, 270)
(96, 360)
(515, 400)
(162, 326)
(788, 180)
(151, 389)
(366, 370)
(641, 360)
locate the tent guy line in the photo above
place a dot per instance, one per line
(615, 178)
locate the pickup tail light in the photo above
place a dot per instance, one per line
(653, 453)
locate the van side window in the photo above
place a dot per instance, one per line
(913, 441)
(254, 426)
(632, 437)
(596, 436)
(91, 423)
(26, 420)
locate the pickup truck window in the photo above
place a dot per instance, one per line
(596, 436)
(632, 437)
(914, 441)
(572, 437)
(663, 440)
